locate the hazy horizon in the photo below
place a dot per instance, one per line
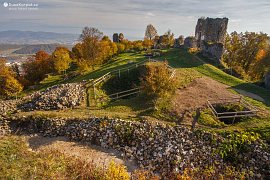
(131, 16)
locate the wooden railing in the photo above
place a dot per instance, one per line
(248, 112)
(94, 83)
(119, 95)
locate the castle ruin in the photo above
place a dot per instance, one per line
(210, 35)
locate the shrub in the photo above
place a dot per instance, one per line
(116, 172)
(158, 83)
(193, 50)
(236, 144)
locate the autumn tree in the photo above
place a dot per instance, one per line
(9, 85)
(108, 49)
(138, 45)
(77, 51)
(244, 51)
(36, 68)
(91, 48)
(150, 32)
(147, 43)
(61, 59)
(121, 47)
(168, 39)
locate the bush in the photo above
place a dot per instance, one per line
(158, 83)
(193, 50)
(207, 119)
(116, 172)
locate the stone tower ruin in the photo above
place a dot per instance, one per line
(116, 38)
(210, 35)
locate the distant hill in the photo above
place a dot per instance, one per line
(30, 37)
(32, 49)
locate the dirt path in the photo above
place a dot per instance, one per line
(90, 153)
(249, 94)
(195, 96)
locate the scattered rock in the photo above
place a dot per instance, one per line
(156, 147)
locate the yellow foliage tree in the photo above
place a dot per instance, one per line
(61, 59)
(9, 85)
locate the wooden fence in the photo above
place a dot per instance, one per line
(118, 95)
(101, 98)
(248, 112)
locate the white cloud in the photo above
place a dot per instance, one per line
(150, 14)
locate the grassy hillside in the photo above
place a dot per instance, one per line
(188, 67)
(182, 59)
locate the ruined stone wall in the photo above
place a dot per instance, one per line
(210, 34)
(116, 38)
(214, 50)
(211, 30)
(190, 42)
(156, 147)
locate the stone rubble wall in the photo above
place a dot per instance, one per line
(160, 148)
(8, 106)
(56, 97)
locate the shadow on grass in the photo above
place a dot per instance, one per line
(111, 66)
(136, 103)
(180, 58)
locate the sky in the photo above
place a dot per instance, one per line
(132, 16)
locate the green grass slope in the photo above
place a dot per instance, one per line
(180, 58)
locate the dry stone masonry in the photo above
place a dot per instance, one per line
(156, 147)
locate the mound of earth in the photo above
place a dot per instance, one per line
(197, 93)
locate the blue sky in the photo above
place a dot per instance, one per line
(132, 16)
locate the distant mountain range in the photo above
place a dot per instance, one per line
(30, 37)
(32, 49)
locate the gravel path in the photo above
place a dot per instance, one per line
(90, 153)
